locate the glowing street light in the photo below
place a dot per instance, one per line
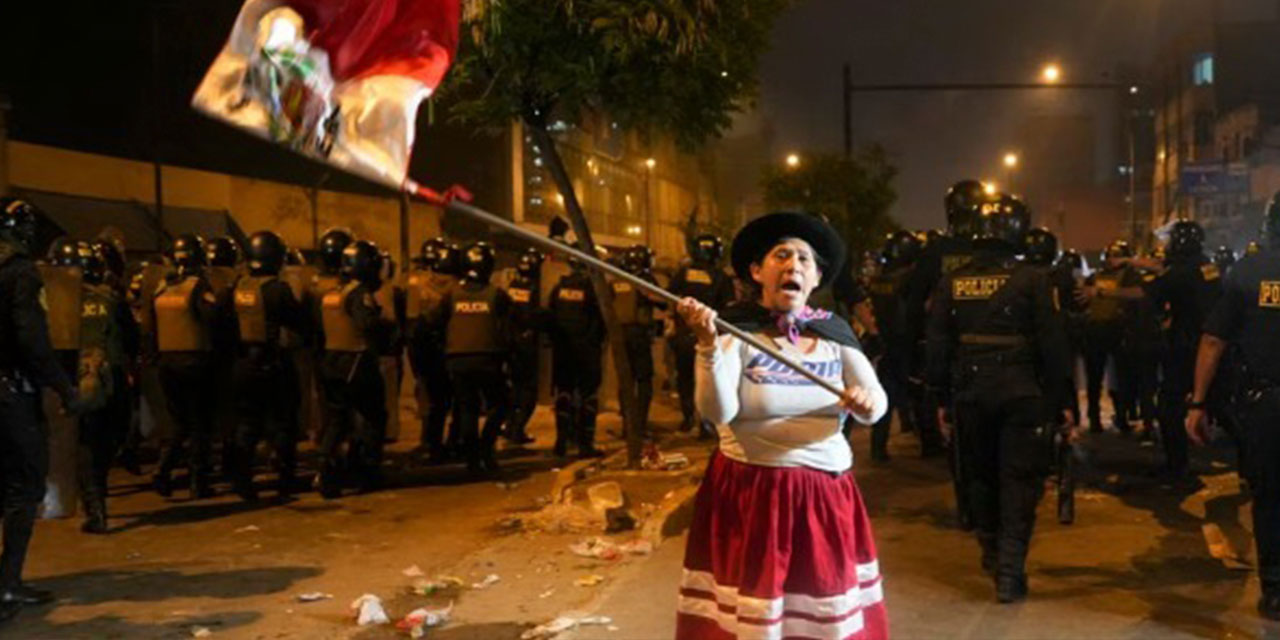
(1011, 160)
(650, 163)
(989, 188)
(793, 160)
(1051, 73)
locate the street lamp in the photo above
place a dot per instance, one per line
(793, 160)
(1011, 160)
(989, 188)
(650, 163)
(1051, 73)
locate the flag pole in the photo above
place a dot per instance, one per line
(453, 201)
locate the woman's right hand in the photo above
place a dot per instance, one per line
(700, 318)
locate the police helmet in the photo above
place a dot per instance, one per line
(18, 219)
(187, 253)
(388, 266)
(267, 253)
(638, 259)
(93, 267)
(222, 251)
(1119, 249)
(1186, 238)
(429, 253)
(900, 248)
(294, 258)
(112, 254)
(450, 260)
(707, 249)
(1042, 246)
(478, 262)
(964, 203)
(1224, 257)
(1074, 260)
(362, 262)
(63, 253)
(1002, 224)
(530, 264)
(332, 245)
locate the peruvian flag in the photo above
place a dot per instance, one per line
(337, 80)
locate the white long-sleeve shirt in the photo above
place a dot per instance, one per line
(769, 415)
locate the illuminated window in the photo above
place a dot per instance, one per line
(1202, 70)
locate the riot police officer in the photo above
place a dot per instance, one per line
(1041, 250)
(475, 315)
(27, 363)
(963, 204)
(354, 333)
(703, 280)
(1189, 286)
(222, 259)
(426, 290)
(528, 322)
(1104, 332)
(185, 310)
(997, 350)
(266, 381)
(1225, 258)
(108, 343)
(1248, 317)
(577, 350)
(634, 309)
(898, 260)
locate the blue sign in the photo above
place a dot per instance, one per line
(1214, 179)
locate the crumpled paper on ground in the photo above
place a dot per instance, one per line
(369, 610)
(419, 620)
(562, 624)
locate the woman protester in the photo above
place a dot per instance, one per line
(781, 545)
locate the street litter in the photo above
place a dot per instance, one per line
(589, 581)
(596, 547)
(637, 547)
(200, 632)
(562, 624)
(419, 620)
(369, 610)
(247, 529)
(488, 581)
(606, 496)
(425, 587)
(413, 572)
(546, 594)
(655, 460)
(314, 596)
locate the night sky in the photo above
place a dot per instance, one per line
(938, 138)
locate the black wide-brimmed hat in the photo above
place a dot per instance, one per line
(761, 235)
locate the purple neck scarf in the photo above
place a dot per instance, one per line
(791, 324)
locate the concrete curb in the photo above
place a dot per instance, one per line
(579, 470)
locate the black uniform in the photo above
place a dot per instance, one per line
(109, 342)
(528, 321)
(354, 332)
(1104, 331)
(709, 285)
(887, 289)
(635, 315)
(1190, 286)
(186, 309)
(1248, 317)
(997, 346)
(27, 362)
(577, 350)
(271, 324)
(476, 322)
(426, 290)
(1141, 344)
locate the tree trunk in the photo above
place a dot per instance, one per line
(604, 293)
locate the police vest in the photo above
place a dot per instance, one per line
(1106, 308)
(570, 308)
(885, 291)
(98, 329)
(251, 311)
(340, 330)
(629, 305)
(424, 290)
(178, 328)
(700, 284)
(525, 301)
(322, 284)
(298, 277)
(221, 280)
(62, 293)
(473, 325)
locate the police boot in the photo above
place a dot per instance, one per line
(162, 484)
(95, 520)
(587, 429)
(1011, 588)
(200, 487)
(330, 482)
(564, 423)
(990, 554)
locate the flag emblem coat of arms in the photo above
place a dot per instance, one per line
(337, 80)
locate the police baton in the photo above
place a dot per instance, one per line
(455, 204)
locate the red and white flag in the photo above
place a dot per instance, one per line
(337, 80)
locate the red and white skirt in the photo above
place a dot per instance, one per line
(777, 553)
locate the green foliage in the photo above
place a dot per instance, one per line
(674, 67)
(855, 194)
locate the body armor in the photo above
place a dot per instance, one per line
(251, 311)
(177, 326)
(340, 330)
(630, 305)
(221, 279)
(62, 293)
(473, 326)
(298, 277)
(425, 289)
